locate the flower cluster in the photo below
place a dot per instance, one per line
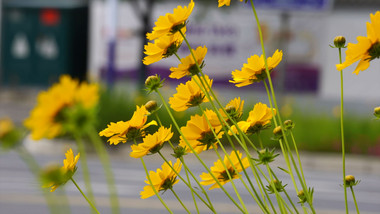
(66, 107)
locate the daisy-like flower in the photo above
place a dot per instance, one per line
(367, 48)
(199, 134)
(234, 109)
(55, 177)
(151, 143)
(171, 22)
(258, 119)
(188, 66)
(224, 2)
(189, 94)
(162, 47)
(220, 172)
(132, 129)
(47, 118)
(162, 180)
(254, 70)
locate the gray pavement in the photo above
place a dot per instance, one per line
(19, 191)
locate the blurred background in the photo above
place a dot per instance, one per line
(103, 41)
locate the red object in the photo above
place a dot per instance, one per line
(50, 17)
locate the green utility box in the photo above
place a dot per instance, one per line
(43, 39)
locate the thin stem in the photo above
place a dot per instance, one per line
(194, 152)
(105, 160)
(192, 192)
(353, 196)
(298, 156)
(152, 186)
(35, 169)
(88, 200)
(342, 133)
(180, 201)
(85, 169)
(188, 184)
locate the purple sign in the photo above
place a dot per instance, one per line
(293, 4)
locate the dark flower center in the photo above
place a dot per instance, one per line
(195, 100)
(172, 49)
(207, 139)
(374, 51)
(224, 175)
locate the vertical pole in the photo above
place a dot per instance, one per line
(111, 41)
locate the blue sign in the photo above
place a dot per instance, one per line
(293, 4)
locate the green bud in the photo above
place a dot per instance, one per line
(153, 83)
(151, 106)
(350, 181)
(288, 124)
(339, 42)
(179, 151)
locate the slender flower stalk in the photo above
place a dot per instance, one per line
(154, 189)
(35, 169)
(353, 196)
(85, 169)
(105, 160)
(342, 131)
(205, 87)
(84, 195)
(209, 204)
(180, 201)
(196, 155)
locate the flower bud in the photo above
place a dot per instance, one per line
(151, 106)
(339, 41)
(301, 195)
(179, 151)
(350, 180)
(288, 124)
(376, 112)
(153, 83)
(277, 133)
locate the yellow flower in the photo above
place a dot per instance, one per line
(188, 66)
(55, 177)
(189, 94)
(6, 126)
(224, 2)
(162, 47)
(162, 180)
(254, 70)
(46, 118)
(367, 48)
(258, 119)
(220, 172)
(132, 129)
(171, 22)
(152, 143)
(199, 134)
(234, 108)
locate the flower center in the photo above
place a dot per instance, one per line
(177, 27)
(168, 183)
(224, 175)
(195, 100)
(172, 49)
(374, 51)
(133, 133)
(207, 139)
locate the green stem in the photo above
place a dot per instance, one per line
(353, 196)
(342, 133)
(187, 170)
(192, 192)
(194, 152)
(180, 201)
(84, 165)
(105, 160)
(35, 169)
(88, 200)
(279, 201)
(152, 186)
(298, 156)
(188, 184)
